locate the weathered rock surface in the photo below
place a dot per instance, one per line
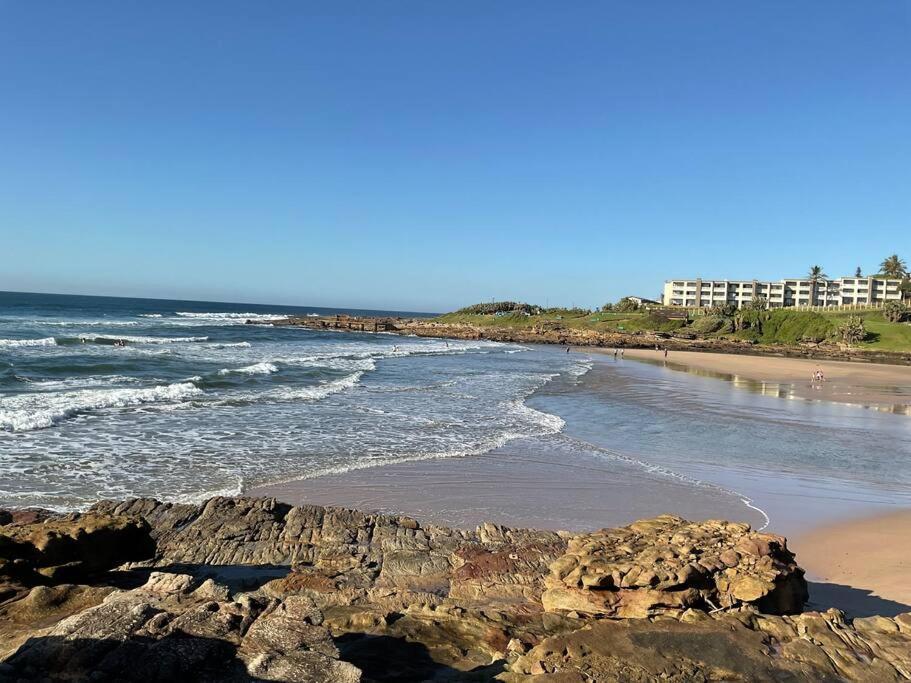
(810, 648)
(70, 548)
(667, 563)
(246, 589)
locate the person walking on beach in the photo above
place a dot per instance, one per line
(665, 352)
(621, 354)
(615, 354)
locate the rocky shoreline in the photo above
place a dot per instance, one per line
(252, 589)
(569, 336)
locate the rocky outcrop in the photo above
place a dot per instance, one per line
(71, 548)
(744, 646)
(174, 629)
(244, 589)
(667, 563)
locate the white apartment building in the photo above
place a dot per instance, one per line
(790, 292)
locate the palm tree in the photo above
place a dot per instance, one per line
(858, 272)
(814, 276)
(893, 267)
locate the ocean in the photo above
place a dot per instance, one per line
(197, 403)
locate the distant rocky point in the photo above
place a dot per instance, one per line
(249, 589)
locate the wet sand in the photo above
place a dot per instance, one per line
(886, 387)
(861, 566)
(509, 486)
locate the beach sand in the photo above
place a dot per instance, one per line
(514, 488)
(861, 565)
(887, 387)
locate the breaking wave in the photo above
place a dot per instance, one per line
(255, 369)
(28, 412)
(16, 343)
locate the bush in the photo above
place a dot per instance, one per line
(759, 303)
(723, 310)
(607, 307)
(852, 330)
(707, 324)
(895, 311)
(499, 306)
(625, 305)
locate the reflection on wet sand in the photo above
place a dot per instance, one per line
(787, 389)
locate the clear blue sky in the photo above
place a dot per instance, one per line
(425, 155)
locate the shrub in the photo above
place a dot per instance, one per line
(499, 306)
(625, 305)
(607, 307)
(895, 311)
(723, 310)
(707, 324)
(852, 330)
(759, 303)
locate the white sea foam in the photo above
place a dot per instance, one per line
(144, 340)
(81, 382)
(150, 315)
(255, 369)
(231, 345)
(27, 412)
(313, 393)
(16, 343)
(233, 317)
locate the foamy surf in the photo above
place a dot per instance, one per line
(23, 343)
(255, 369)
(136, 339)
(28, 412)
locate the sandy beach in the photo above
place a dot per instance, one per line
(860, 565)
(887, 387)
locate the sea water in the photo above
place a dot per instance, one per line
(110, 398)
(198, 403)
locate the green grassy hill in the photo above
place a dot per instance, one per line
(781, 326)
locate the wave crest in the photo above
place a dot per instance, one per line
(28, 412)
(14, 343)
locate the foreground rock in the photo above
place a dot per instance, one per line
(669, 564)
(54, 550)
(251, 589)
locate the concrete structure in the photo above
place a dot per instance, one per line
(782, 293)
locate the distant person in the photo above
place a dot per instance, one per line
(615, 354)
(621, 353)
(567, 349)
(665, 352)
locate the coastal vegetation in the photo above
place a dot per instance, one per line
(886, 329)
